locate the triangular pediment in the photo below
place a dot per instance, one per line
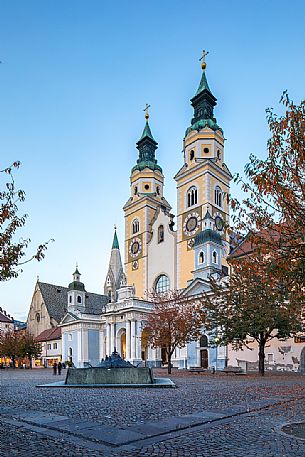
(69, 318)
(197, 287)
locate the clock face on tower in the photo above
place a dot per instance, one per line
(135, 247)
(191, 224)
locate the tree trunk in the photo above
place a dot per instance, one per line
(261, 357)
(169, 365)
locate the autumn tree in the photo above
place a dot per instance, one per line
(9, 346)
(13, 252)
(254, 303)
(174, 321)
(275, 194)
(28, 347)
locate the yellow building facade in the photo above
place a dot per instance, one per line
(203, 184)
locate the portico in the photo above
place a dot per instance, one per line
(125, 328)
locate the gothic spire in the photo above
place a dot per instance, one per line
(115, 243)
(115, 276)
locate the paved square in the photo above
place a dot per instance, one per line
(205, 415)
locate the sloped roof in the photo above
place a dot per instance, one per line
(56, 300)
(49, 334)
(5, 318)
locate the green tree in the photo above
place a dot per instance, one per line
(254, 303)
(12, 252)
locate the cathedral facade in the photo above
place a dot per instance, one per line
(159, 256)
(161, 252)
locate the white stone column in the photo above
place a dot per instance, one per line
(77, 358)
(117, 340)
(128, 346)
(85, 348)
(102, 348)
(64, 356)
(138, 340)
(108, 339)
(133, 339)
(112, 336)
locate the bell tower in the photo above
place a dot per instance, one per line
(203, 181)
(145, 202)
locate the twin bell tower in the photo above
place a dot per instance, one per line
(158, 256)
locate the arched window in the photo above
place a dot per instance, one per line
(79, 299)
(162, 284)
(108, 281)
(70, 298)
(218, 154)
(203, 342)
(135, 190)
(192, 196)
(218, 196)
(215, 257)
(192, 154)
(135, 226)
(201, 257)
(160, 233)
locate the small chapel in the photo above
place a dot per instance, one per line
(161, 251)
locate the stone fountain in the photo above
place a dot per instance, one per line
(114, 371)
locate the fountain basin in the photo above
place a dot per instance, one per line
(99, 375)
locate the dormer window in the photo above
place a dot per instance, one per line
(79, 299)
(160, 233)
(135, 226)
(192, 196)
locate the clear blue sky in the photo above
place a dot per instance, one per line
(74, 80)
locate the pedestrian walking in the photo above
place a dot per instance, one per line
(54, 368)
(59, 367)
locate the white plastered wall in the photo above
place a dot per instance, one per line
(162, 256)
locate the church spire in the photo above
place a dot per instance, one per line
(147, 146)
(115, 276)
(115, 243)
(203, 103)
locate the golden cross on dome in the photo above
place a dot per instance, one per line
(202, 59)
(146, 111)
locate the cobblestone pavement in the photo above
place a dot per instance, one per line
(244, 424)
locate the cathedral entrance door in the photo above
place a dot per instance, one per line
(204, 358)
(123, 345)
(302, 361)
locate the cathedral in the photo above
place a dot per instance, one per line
(159, 254)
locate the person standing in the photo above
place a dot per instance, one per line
(54, 368)
(59, 367)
